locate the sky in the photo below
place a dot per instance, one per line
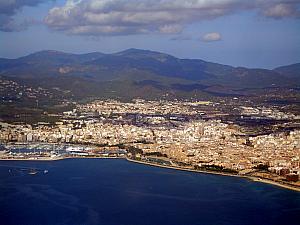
(248, 33)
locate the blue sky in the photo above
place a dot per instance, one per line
(234, 32)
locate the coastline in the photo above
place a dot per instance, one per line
(251, 178)
(40, 159)
(59, 158)
(265, 181)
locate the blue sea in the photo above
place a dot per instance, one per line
(118, 192)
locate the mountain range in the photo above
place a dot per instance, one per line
(134, 72)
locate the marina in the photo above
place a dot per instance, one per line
(40, 151)
(49, 152)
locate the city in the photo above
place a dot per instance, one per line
(149, 112)
(181, 134)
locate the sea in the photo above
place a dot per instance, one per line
(118, 192)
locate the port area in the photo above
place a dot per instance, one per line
(52, 152)
(49, 152)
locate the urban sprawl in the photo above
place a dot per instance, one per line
(185, 134)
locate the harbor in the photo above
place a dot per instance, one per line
(55, 152)
(49, 152)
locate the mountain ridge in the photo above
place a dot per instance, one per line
(142, 68)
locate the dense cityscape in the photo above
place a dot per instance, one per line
(149, 112)
(197, 135)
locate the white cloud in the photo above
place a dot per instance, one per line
(113, 17)
(123, 17)
(281, 10)
(210, 37)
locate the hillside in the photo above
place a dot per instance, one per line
(290, 71)
(131, 72)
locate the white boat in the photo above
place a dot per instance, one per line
(74, 149)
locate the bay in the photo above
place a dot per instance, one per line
(118, 192)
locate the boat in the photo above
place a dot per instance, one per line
(74, 149)
(46, 171)
(32, 172)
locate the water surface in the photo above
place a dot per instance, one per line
(117, 192)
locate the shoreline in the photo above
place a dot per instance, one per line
(60, 158)
(250, 178)
(253, 179)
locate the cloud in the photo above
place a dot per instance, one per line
(170, 29)
(281, 10)
(8, 24)
(210, 37)
(124, 17)
(8, 8)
